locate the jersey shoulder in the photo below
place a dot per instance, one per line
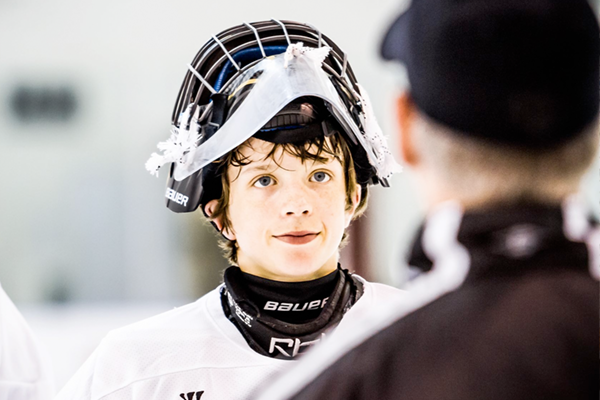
(377, 302)
(516, 331)
(179, 342)
(378, 293)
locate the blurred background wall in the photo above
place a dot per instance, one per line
(86, 92)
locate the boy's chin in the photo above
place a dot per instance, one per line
(294, 265)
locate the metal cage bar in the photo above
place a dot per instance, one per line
(284, 30)
(204, 82)
(253, 29)
(226, 52)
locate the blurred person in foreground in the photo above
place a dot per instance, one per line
(274, 140)
(499, 126)
(24, 370)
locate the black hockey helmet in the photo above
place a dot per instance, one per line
(306, 88)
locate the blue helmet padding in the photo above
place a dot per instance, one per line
(245, 56)
(281, 128)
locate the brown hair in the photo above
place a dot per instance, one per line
(318, 149)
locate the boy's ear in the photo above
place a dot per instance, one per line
(355, 201)
(406, 115)
(209, 209)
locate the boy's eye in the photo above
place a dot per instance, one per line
(263, 181)
(320, 176)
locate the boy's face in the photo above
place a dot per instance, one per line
(288, 217)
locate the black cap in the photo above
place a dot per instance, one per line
(520, 72)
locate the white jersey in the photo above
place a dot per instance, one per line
(24, 373)
(193, 352)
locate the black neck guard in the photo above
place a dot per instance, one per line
(273, 337)
(290, 302)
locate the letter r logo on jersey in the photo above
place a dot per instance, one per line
(273, 346)
(190, 395)
(294, 344)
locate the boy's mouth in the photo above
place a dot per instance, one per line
(299, 237)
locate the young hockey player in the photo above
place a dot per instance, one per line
(276, 143)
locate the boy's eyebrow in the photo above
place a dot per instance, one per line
(254, 168)
(249, 168)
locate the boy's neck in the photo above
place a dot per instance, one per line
(286, 274)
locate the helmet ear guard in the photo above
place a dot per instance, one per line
(217, 83)
(183, 196)
(187, 194)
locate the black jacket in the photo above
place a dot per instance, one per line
(522, 325)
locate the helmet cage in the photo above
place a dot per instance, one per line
(220, 53)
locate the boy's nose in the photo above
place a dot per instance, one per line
(297, 205)
(302, 210)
